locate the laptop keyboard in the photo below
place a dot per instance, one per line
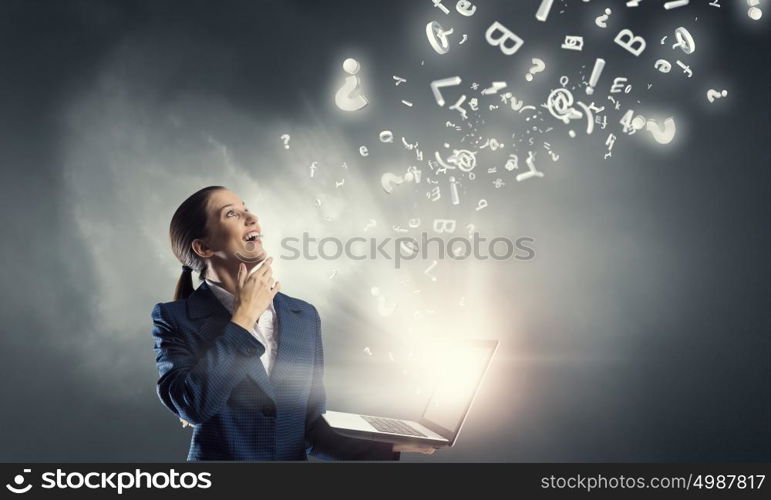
(392, 425)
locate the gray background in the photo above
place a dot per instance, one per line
(638, 333)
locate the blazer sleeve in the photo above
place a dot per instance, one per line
(192, 387)
(322, 440)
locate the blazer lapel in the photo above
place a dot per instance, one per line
(203, 304)
(289, 329)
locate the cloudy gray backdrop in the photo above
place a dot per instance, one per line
(639, 332)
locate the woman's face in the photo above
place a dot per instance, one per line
(234, 233)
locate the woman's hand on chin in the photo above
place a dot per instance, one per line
(254, 292)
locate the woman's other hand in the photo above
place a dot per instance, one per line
(254, 292)
(414, 448)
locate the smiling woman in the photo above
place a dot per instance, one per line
(237, 359)
(213, 213)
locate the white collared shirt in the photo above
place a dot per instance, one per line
(264, 329)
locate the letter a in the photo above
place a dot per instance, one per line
(506, 34)
(626, 39)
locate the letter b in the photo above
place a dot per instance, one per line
(444, 225)
(506, 34)
(627, 39)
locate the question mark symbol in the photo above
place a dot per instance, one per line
(713, 94)
(389, 180)
(285, 138)
(470, 228)
(602, 20)
(348, 97)
(662, 135)
(538, 66)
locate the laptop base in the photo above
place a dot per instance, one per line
(385, 438)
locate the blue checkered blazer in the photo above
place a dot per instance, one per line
(211, 375)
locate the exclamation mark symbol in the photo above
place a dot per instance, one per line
(599, 64)
(543, 10)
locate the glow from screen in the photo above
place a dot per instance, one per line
(461, 370)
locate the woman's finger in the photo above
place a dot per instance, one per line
(265, 266)
(241, 273)
(258, 270)
(254, 273)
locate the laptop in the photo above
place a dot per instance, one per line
(447, 407)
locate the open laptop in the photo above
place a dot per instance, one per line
(445, 412)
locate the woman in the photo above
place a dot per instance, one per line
(239, 360)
